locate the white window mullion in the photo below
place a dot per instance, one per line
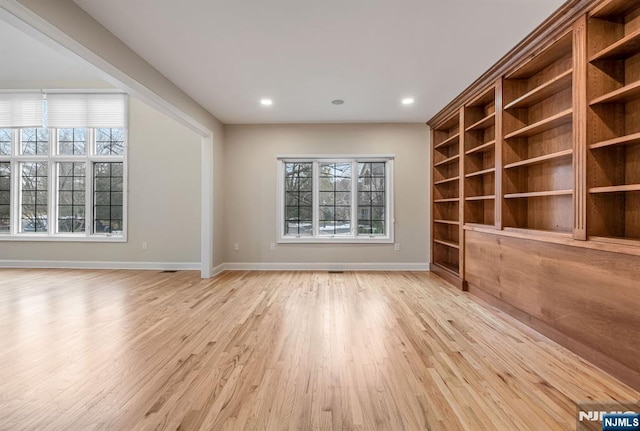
(315, 173)
(354, 199)
(16, 193)
(388, 196)
(52, 175)
(88, 172)
(125, 185)
(15, 182)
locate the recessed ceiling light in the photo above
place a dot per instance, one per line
(408, 101)
(337, 101)
(266, 102)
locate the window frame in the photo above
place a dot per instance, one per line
(52, 158)
(353, 237)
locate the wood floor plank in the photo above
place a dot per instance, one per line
(141, 350)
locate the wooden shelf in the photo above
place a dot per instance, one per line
(447, 267)
(622, 95)
(544, 232)
(482, 148)
(538, 194)
(482, 172)
(540, 159)
(623, 140)
(440, 201)
(449, 141)
(616, 189)
(612, 9)
(485, 123)
(480, 198)
(446, 221)
(548, 56)
(549, 123)
(479, 225)
(449, 160)
(543, 91)
(628, 45)
(445, 181)
(447, 243)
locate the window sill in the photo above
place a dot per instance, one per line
(62, 238)
(335, 240)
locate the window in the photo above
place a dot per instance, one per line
(34, 197)
(65, 183)
(298, 199)
(5, 197)
(107, 197)
(335, 199)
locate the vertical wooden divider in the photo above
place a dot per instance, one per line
(461, 171)
(498, 155)
(580, 128)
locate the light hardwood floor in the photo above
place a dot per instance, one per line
(128, 350)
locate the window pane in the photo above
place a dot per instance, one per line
(5, 197)
(5, 142)
(107, 197)
(335, 199)
(377, 169)
(35, 141)
(72, 141)
(298, 198)
(110, 142)
(371, 198)
(34, 197)
(71, 196)
(116, 198)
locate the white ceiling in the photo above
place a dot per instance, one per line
(28, 63)
(228, 54)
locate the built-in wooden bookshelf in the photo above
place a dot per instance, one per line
(480, 161)
(538, 206)
(538, 141)
(552, 144)
(447, 176)
(613, 112)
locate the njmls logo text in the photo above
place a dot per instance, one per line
(608, 416)
(599, 415)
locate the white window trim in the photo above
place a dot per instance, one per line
(341, 239)
(52, 188)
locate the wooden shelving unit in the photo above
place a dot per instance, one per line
(537, 182)
(613, 113)
(446, 172)
(480, 161)
(538, 141)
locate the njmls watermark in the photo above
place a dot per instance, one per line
(608, 416)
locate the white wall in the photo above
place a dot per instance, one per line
(251, 187)
(164, 199)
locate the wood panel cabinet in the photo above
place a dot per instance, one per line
(544, 148)
(551, 147)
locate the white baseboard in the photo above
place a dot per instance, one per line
(79, 264)
(218, 269)
(230, 266)
(338, 266)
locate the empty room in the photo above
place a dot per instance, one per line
(335, 215)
